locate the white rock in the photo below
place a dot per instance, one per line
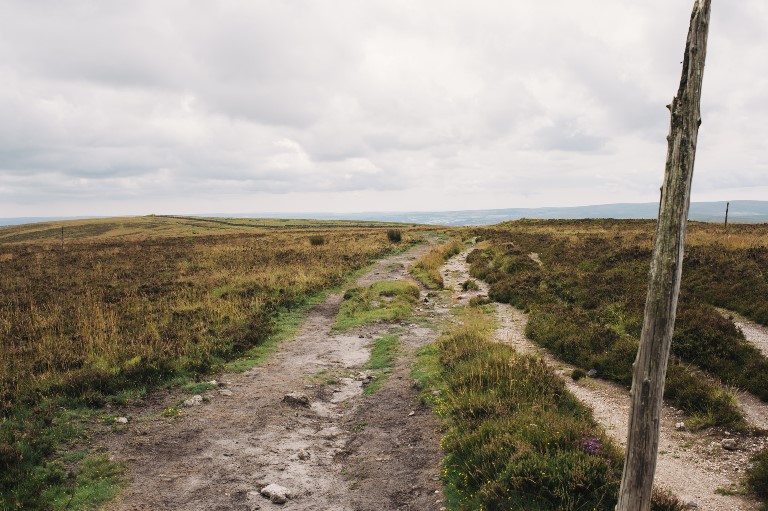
(680, 426)
(276, 493)
(122, 420)
(195, 400)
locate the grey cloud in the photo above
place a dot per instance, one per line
(428, 102)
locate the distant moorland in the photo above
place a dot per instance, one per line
(741, 211)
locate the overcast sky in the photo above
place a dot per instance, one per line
(116, 107)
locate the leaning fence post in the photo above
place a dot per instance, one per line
(650, 367)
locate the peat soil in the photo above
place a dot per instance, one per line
(691, 465)
(332, 447)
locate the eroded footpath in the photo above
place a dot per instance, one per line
(299, 421)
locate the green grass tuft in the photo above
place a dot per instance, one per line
(95, 482)
(384, 352)
(383, 358)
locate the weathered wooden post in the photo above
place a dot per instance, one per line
(650, 366)
(727, 205)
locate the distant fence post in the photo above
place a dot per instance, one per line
(650, 367)
(727, 205)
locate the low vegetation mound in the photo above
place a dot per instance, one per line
(517, 439)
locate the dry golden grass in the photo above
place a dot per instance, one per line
(134, 302)
(426, 269)
(139, 299)
(641, 232)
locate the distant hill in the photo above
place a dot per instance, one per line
(741, 211)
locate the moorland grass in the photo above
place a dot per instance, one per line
(381, 301)
(426, 269)
(119, 311)
(517, 439)
(586, 304)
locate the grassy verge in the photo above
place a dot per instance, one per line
(426, 269)
(586, 304)
(287, 324)
(517, 439)
(383, 357)
(382, 301)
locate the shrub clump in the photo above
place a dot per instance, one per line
(316, 240)
(577, 374)
(394, 235)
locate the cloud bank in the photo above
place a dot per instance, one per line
(192, 107)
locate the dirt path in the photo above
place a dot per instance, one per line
(693, 466)
(337, 451)
(755, 333)
(754, 409)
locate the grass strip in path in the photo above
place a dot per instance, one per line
(383, 358)
(426, 269)
(381, 301)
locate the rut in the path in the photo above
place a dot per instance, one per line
(221, 453)
(693, 466)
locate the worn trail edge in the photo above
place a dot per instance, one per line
(339, 450)
(693, 466)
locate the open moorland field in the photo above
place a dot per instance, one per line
(583, 284)
(136, 307)
(130, 304)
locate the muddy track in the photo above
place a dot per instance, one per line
(693, 466)
(339, 451)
